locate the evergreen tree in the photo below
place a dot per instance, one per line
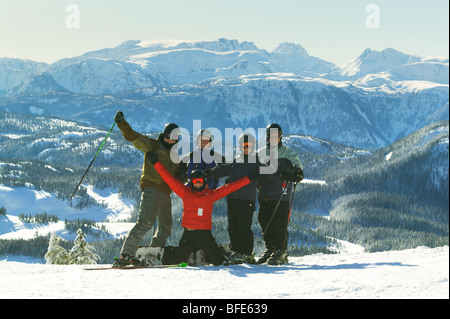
(56, 255)
(82, 253)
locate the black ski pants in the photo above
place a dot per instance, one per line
(198, 239)
(275, 231)
(240, 215)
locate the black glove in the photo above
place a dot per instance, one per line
(294, 174)
(152, 157)
(119, 117)
(254, 175)
(297, 176)
(285, 176)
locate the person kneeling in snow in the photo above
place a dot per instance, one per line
(198, 200)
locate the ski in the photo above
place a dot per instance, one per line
(182, 265)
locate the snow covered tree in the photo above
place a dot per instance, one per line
(56, 255)
(82, 253)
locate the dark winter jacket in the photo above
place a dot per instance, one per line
(203, 160)
(198, 206)
(271, 185)
(241, 166)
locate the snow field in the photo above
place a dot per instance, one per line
(413, 273)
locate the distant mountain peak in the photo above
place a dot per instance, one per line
(388, 55)
(219, 45)
(373, 61)
(290, 48)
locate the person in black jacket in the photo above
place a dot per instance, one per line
(241, 203)
(274, 195)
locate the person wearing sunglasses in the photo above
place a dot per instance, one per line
(198, 200)
(155, 195)
(241, 203)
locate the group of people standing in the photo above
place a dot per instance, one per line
(195, 179)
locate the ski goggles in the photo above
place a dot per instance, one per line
(197, 180)
(247, 145)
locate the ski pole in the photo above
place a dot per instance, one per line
(103, 143)
(292, 201)
(289, 217)
(273, 214)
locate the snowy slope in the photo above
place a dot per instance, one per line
(412, 273)
(29, 200)
(14, 72)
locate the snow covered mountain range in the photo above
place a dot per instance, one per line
(369, 102)
(372, 134)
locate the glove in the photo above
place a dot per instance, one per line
(119, 117)
(297, 176)
(294, 174)
(152, 157)
(285, 176)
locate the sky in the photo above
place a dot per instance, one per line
(336, 31)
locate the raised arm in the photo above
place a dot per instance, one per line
(178, 187)
(227, 189)
(234, 186)
(141, 142)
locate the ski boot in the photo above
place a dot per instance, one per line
(265, 256)
(278, 257)
(240, 258)
(249, 259)
(128, 261)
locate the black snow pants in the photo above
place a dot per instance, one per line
(275, 236)
(240, 215)
(198, 239)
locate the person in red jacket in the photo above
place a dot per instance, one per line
(198, 200)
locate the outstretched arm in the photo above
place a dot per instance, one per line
(229, 188)
(178, 187)
(221, 170)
